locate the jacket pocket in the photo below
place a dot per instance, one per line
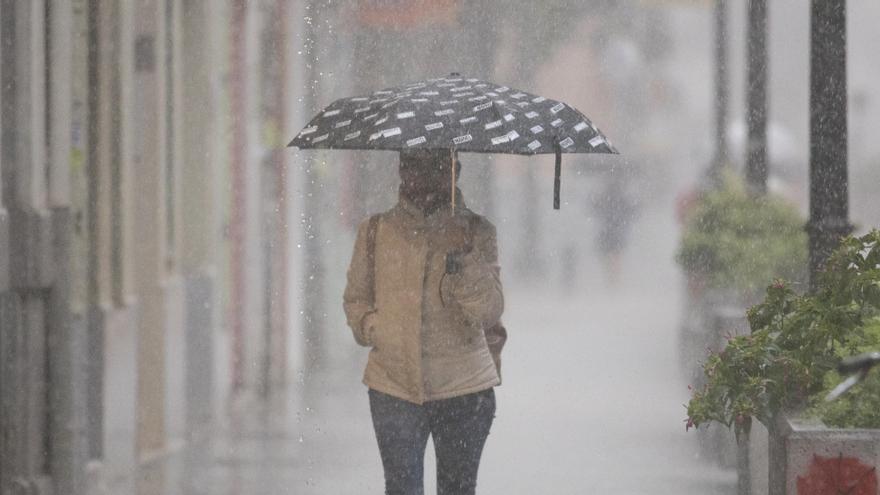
(384, 339)
(377, 331)
(470, 333)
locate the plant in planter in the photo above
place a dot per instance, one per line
(733, 240)
(796, 341)
(859, 408)
(733, 245)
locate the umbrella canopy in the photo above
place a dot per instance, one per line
(457, 113)
(468, 115)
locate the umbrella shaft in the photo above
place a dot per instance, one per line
(453, 180)
(556, 178)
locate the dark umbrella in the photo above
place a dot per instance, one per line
(459, 114)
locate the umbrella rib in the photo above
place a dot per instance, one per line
(495, 108)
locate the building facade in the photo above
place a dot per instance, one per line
(143, 219)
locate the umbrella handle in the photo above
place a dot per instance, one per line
(452, 150)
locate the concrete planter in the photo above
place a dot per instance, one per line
(813, 458)
(812, 448)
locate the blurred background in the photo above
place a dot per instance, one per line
(171, 274)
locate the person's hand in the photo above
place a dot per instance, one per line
(454, 235)
(369, 326)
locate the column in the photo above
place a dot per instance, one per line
(149, 239)
(67, 331)
(201, 169)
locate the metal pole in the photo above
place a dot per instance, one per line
(756, 154)
(721, 92)
(452, 152)
(743, 470)
(829, 198)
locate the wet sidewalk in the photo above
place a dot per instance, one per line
(280, 448)
(592, 402)
(581, 410)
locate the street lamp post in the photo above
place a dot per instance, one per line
(721, 93)
(829, 197)
(756, 154)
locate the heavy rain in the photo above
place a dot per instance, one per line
(600, 247)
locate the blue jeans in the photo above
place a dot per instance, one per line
(459, 427)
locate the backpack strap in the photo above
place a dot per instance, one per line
(372, 229)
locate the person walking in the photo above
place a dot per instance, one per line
(616, 210)
(424, 294)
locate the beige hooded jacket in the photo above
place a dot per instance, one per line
(425, 328)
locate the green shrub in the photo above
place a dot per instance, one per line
(795, 342)
(860, 406)
(737, 241)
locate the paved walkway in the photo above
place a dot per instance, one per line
(591, 403)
